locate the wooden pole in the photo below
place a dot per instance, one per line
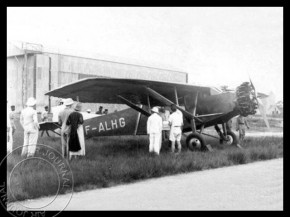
(24, 80)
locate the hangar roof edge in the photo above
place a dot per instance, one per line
(121, 62)
(92, 56)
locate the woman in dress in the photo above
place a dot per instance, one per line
(76, 141)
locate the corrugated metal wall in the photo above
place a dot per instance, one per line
(66, 69)
(117, 70)
(18, 87)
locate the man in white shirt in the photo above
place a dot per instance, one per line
(29, 122)
(176, 124)
(154, 129)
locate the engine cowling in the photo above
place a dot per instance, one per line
(247, 102)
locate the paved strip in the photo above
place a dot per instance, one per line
(254, 186)
(261, 134)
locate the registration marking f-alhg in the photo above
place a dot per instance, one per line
(107, 125)
(119, 123)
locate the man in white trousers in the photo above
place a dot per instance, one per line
(29, 122)
(154, 129)
(176, 124)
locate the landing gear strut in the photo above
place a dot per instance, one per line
(231, 138)
(228, 137)
(194, 141)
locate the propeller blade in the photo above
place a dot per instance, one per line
(262, 95)
(252, 84)
(263, 112)
(255, 93)
(261, 106)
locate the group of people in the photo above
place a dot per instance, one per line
(70, 119)
(155, 127)
(72, 133)
(101, 112)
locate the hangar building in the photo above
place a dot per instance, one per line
(32, 71)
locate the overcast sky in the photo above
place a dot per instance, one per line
(216, 46)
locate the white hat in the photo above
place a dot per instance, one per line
(155, 109)
(31, 101)
(68, 101)
(89, 110)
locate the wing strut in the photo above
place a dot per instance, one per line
(148, 102)
(134, 106)
(176, 96)
(195, 104)
(167, 102)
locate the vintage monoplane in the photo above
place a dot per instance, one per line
(201, 106)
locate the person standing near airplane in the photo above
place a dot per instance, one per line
(76, 138)
(105, 112)
(44, 118)
(12, 117)
(44, 114)
(29, 122)
(9, 133)
(241, 127)
(165, 124)
(62, 118)
(154, 129)
(229, 125)
(176, 124)
(60, 102)
(100, 112)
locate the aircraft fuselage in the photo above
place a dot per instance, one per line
(125, 122)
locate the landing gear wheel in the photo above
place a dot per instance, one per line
(232, 138)
(195, 141)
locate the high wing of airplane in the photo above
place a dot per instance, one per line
(201, 106)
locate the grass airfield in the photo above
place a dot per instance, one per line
(110, 161)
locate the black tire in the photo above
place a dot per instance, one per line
(233, 139)
(195, 141)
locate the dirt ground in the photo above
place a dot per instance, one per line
(254, 186)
